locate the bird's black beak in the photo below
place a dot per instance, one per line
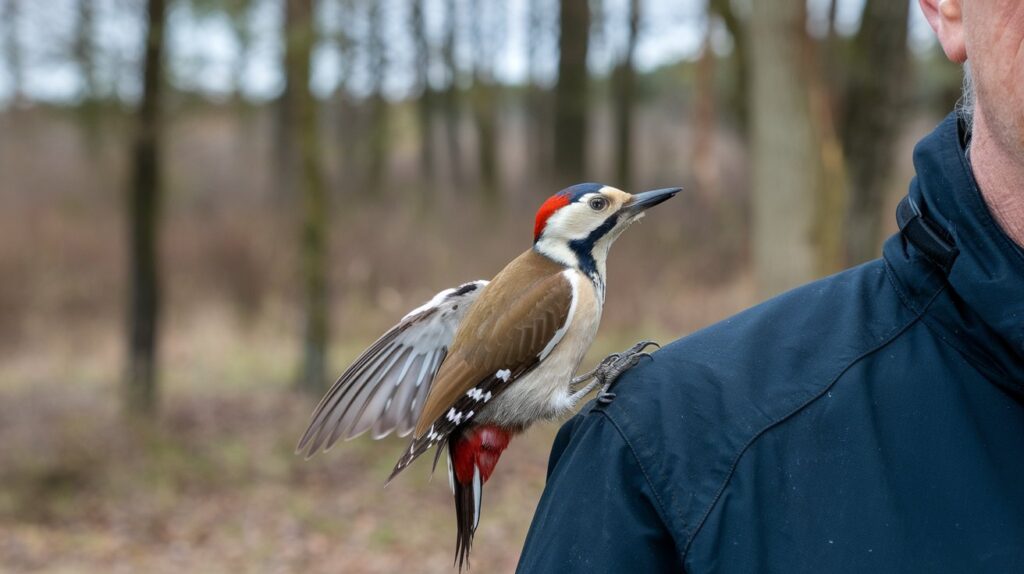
(647, 199)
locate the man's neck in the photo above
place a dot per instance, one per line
(1000, 175)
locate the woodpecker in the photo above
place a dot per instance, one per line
(479, 363)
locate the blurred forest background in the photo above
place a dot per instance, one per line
(208, 207)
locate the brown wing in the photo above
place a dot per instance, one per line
(507, 338)
(501, 340)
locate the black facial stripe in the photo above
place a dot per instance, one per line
(584, 248)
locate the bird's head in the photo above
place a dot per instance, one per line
(577, 225)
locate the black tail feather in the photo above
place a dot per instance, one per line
(465, 518)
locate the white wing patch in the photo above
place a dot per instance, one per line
(434, 302)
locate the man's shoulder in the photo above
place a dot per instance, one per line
(788, 346)
(690, 413)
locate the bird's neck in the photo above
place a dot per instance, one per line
(588, 258)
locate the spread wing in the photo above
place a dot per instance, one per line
(503, 338)
(385, 389)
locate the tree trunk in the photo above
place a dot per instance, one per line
(624, 88)
(872, 120)
(824, 57)
(284, 147)
(486, 121)
(705, 166)
(310, 187)
(831, 194)
(831, 66)
(379, 137)
(738, 99)
(83, 48)
(239, 12)
(144, 200)
(538, 137)
(486, 38)
(425, 103)
(451, 97)
(10, 19)
(347, 132)
(247, 136)
(783, 150)
(571, 97)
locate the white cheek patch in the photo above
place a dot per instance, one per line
(575, 221)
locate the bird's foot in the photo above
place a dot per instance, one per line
(609, 370)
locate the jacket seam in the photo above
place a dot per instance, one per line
(662, 512)
(898, 288)
(780, 420)
(975, 362)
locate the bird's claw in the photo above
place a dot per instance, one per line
(609, 370)
(641, 346)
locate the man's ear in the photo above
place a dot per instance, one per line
(946, 18)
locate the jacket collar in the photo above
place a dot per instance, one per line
(978, 304)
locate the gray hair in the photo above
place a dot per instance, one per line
(965, 106)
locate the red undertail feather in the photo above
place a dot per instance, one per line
(472, 458)
(482, 447)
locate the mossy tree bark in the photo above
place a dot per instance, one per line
(872, 120)
(624, 88)
(571, 97)
(425, 104)
(144, 199)
(312, 193)
(785, 158)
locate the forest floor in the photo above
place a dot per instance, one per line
(213, 484)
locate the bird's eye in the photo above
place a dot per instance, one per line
(598, 203)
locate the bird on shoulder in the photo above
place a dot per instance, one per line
(479, 363)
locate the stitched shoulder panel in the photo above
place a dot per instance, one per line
(691, 413)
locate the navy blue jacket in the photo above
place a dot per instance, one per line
(872, 421)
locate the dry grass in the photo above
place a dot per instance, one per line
(212, 485)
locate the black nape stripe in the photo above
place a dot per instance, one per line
(462, 290)
(584, 248)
